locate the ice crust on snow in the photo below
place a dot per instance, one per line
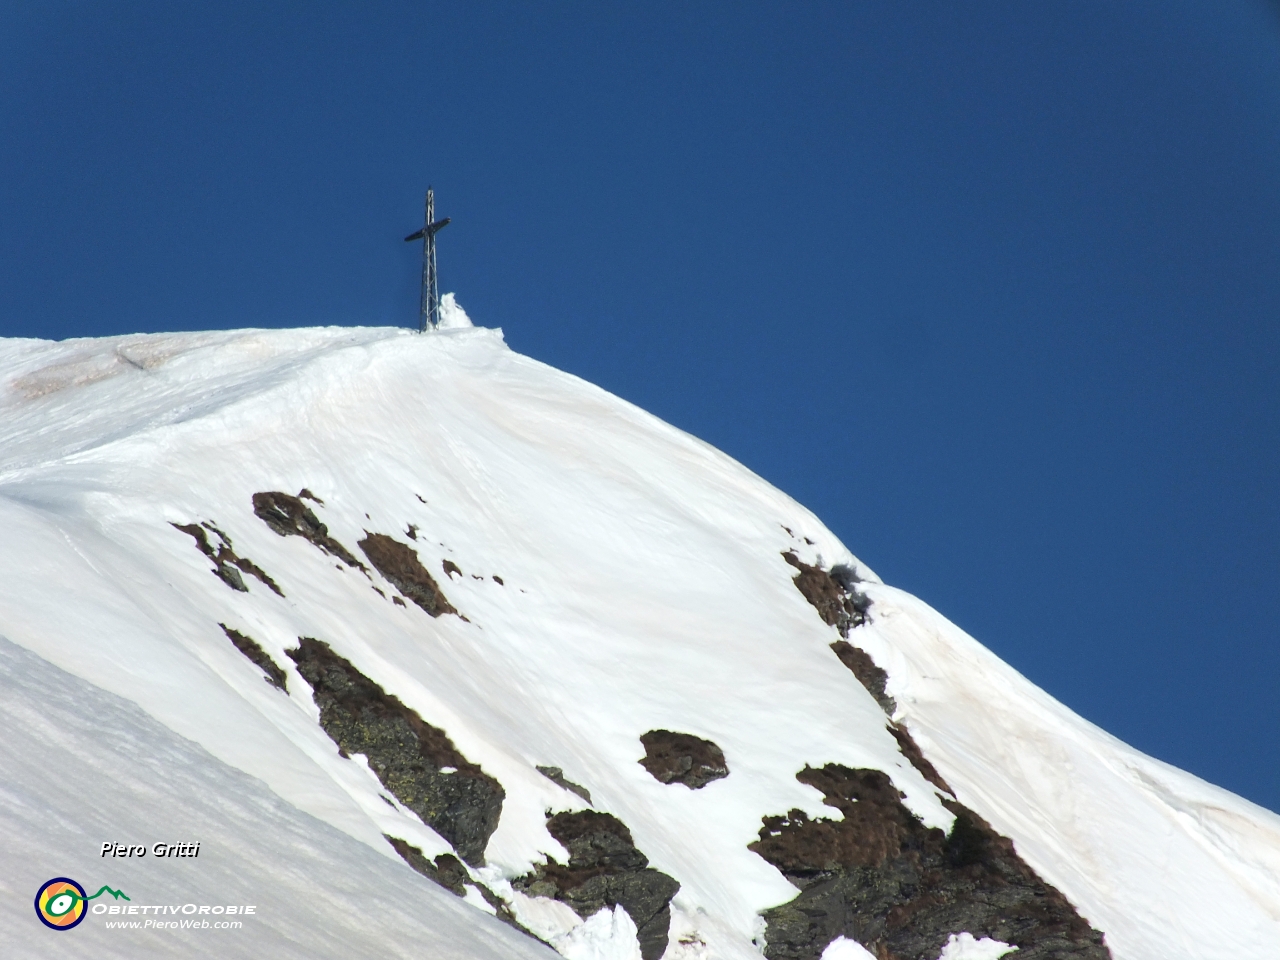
(643, 588)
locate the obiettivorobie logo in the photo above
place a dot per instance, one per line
(60, 902)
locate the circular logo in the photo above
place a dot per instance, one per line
(60, 903)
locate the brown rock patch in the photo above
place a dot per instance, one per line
(907, 745)
(682, 758)
(832, 596)
(901, 889)
(227, 565)
(399, 563)
(556, 776)
(288, 516)
(868, 674)
(253, 650)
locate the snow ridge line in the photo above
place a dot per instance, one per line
(277, 375)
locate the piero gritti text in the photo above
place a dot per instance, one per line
(156, 849)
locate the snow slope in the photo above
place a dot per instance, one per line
(82, 766)
(642, 587)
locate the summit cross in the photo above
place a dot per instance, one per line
(429, 307)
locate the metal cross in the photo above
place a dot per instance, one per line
(429, 308)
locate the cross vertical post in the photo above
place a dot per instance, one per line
(429, 307)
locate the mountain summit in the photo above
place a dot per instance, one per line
(437, 651)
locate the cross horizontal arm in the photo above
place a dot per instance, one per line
(430, 231)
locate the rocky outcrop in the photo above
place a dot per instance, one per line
(556, 776)
(227, 565)
(682, 758)
(253, 650)
(915, 756)
(879, 876)
(874, 679)
(901, 889)
(446, 870)
(288, 516)
(832, 594)
(868, 674)
(399, 563)
(605, 870)
(415, 761)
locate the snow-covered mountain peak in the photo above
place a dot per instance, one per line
(576, 666)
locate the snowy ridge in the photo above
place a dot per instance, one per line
(616, 576)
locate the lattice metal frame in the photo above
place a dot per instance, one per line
(429, 306)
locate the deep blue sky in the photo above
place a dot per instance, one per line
(992, 287)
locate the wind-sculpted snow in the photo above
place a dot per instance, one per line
(82, 766)
(617, 578)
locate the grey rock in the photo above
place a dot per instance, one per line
(415, 761)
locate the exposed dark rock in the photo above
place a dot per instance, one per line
(231, 577)
(415, 761)
(910, 750)
(227, 565)
(450, 568)
(412, 531)
(503, 911)
(605, 870)
(837, 602)
(399, 563)
(556, 776)
(447, 870)
(305, 494)
(901, 889)
(498, 580)
(682, 758)
(843, 574)
(874, 679)
(879, 876)
(868, 674)
(397, 601)
(290, 517)
(251, 649)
